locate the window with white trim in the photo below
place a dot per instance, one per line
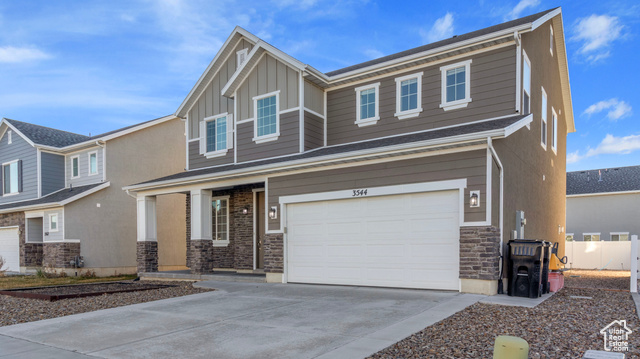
(53, 222)
(75, 166)
(9, 137)
(551, 39)
(619, 236)
(554, 131)
(367, 100)
(591, 237)
(266, 111)
(456, 86)
(220, 220)
(409, 96)
(526, 84)
(11, 177)
(93, 163)
(569, 237)
(543, 120)
(241, 57)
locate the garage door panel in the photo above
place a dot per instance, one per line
(10, 249)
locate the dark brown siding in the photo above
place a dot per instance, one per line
(196, 160)
(287, 143)
(492, 92)
(469, 165)
(526, 162)
(313, 131)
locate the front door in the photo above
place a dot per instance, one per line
(260, 229)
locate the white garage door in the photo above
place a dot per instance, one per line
(407, 241)
(10, 249)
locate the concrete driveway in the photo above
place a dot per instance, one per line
(241, 320)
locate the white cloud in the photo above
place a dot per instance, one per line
(610, 145)
(596, 33)
(616, 109)
(373, 53)
(10, 54)
(301, 4)
(520, 7)
(441, 29)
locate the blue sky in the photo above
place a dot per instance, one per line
(91, 67)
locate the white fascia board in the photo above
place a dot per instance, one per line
(537, 23)
(227, 90)
(18, 132)
(56, 204)
(518, 125)
(602, 194)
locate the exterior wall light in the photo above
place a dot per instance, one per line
(474, 199)
(273, 212)
(245, 210)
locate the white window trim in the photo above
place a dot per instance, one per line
(371, 120)
(271, 137)
(554, 129)
(4, 179)
(217, 153)
(467, 86)
(57, 229)
(525, 60)
(590, 234)
(401, 115)
(72, 157)
(572, 236)
(239, 54)
(89, 164)
(544, 130)
(9, 137)
(225, 242)
(618, 234)
(551, 39)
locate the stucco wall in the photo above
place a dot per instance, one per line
(603, 214)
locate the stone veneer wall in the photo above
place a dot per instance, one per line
(147, 256)
(60, 254)
(201, 256)
(274, 253)
(31, 254)
(479, 253)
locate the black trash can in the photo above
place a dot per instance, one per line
(525, 268)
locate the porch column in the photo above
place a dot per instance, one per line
(201, 237)
(147, 246)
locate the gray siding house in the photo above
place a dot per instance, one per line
(404, 171)
(603, 204)
(61, 197)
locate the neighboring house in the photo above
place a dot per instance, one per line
(603, 205)
(404, 171)
(61, 195)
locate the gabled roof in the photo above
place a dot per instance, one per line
(605, 180)
(55, 199)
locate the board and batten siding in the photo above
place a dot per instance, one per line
(313, 131)
(288, 142)
(269, 75)
(211, 102)
(470, 165)
(196, 160)
(51, 172)
(313, 97)
(19, 149)
(84, 178)
(493, 80)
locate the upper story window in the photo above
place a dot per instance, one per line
(75, 166)
(11, 180)
(216, 135)
(554, 131)
(591, 237)
(551, 39)
(53, 222)
(456, 85)
(367, 100)
(241, 57)
(409, 96)
(266, 110)
(9, 137)
(93, 163)
(526, 85)
(619, 236)
(543, 120)
(220, 220)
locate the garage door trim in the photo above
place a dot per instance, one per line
(18, 238)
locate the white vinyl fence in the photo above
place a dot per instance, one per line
(599, 255)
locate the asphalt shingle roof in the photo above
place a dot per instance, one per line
(54, 197)
(47, 136)
(449, 41)
(617, 179)
(352, 147)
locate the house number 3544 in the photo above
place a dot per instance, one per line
(359, 192)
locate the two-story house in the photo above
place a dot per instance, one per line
(61, 195)
(404, 171)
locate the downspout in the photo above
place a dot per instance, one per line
(104, 159)
(130, 195)
(501, 211)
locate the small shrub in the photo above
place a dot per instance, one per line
(40, 273)
(88, 274)
(1, 267)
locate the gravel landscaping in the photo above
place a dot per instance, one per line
(564, 326)
(20, 310)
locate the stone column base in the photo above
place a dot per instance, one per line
(33, 254)
(273, 253)
(201, 256)
(479, 286)
(60, 254)
(147, 256)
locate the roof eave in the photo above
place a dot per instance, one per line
(56, 204)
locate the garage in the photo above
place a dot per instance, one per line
(403, 240)
(10, 248)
